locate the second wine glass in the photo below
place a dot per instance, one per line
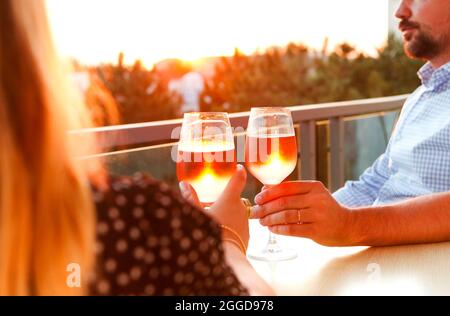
(271, 156)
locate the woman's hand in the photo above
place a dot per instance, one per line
(228, 209)
(304, 209)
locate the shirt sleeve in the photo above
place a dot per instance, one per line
(364, 191)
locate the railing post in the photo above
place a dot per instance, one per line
(307, 148)
(337, 153)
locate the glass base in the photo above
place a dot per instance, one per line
(273, 252)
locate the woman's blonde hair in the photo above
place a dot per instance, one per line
(47, 220)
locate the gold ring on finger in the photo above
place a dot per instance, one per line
(248, 205)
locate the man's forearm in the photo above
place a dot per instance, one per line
(418, 220)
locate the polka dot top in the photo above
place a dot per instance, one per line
(152, 242)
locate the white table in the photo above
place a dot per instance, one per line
(318, 270)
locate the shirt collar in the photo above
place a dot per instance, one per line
(431, 77)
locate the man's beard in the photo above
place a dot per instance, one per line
(422, 45)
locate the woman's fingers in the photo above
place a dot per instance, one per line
(297, 230)
(281, 204)
(189, 194)
(229, 205)
(229, 210)
(236, 184)
(233, 189)
(288, 217)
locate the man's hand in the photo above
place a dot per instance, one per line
(304, 209)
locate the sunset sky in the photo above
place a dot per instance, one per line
(95, 31)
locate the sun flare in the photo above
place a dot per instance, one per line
(95, 31)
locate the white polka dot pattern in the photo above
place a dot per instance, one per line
(150, 242)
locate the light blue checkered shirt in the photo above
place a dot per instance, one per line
(417, 158)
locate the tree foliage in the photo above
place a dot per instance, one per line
(141, 95)
(295, 75)
(279, 76)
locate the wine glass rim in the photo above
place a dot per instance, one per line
(210, 112)
(271, 108)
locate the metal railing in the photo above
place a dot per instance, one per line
(306, 116)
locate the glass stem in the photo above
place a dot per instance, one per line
(272, 244)
(272, 238)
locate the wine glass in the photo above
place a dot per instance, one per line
(206, 157)
(271, 156)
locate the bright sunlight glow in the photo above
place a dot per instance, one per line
(95, 31)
